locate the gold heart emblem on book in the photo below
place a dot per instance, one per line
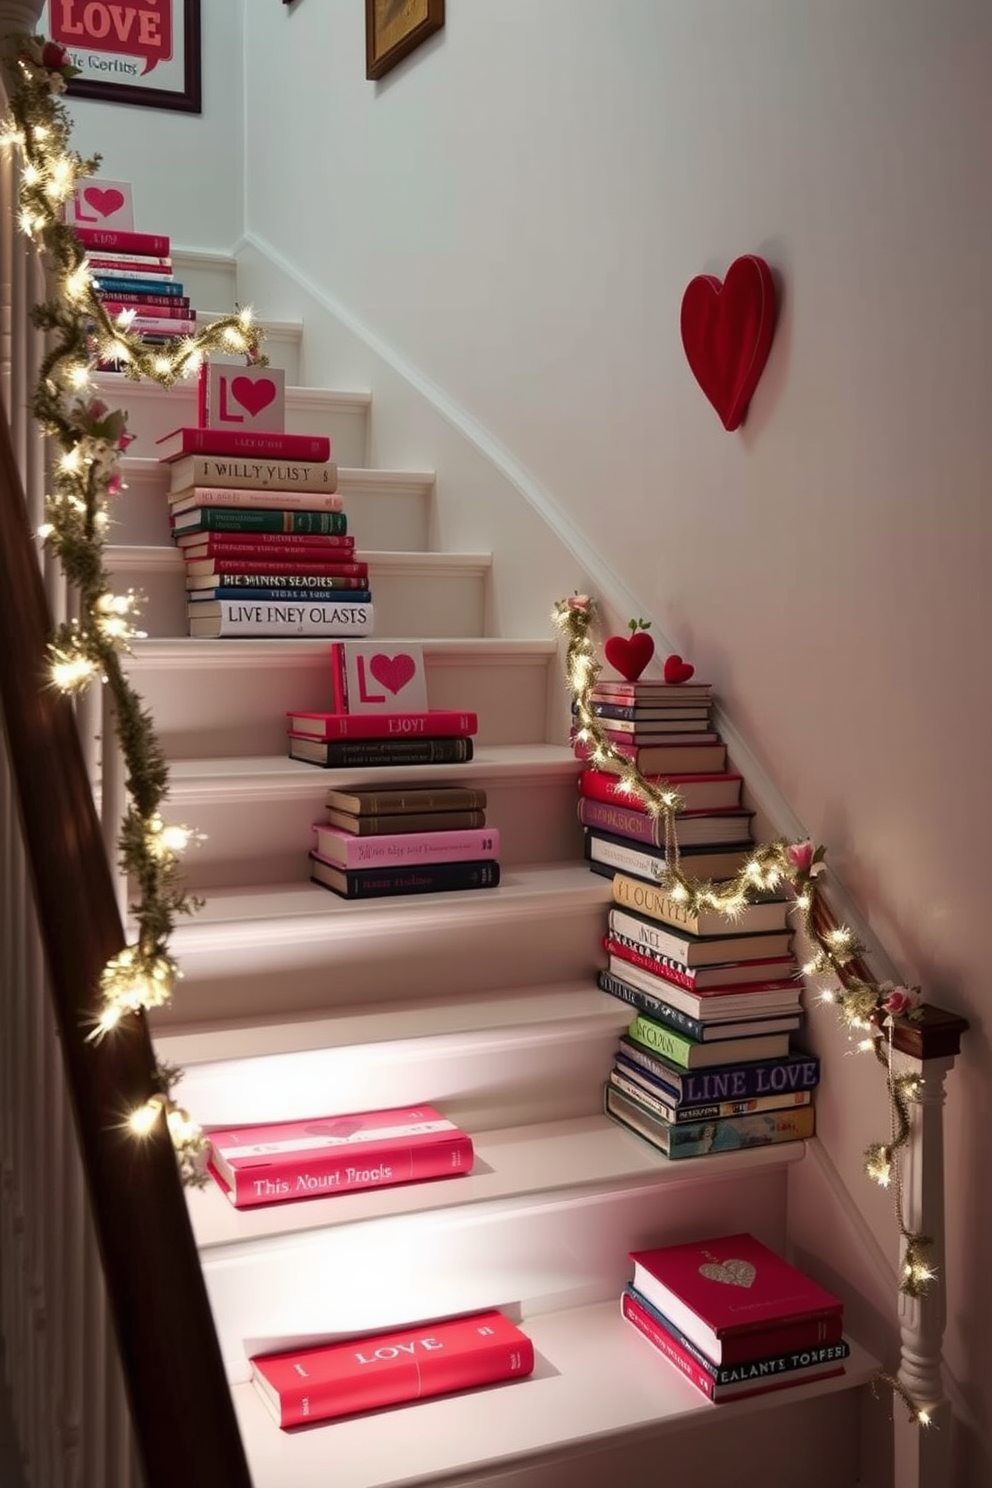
(732, 1273)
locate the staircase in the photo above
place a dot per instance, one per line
(297, 1003)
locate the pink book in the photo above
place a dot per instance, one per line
(115, 240)
(345, 850)
(144, 308)
(146, 325)
(268, 500)
(341, 1379)
(336, 1154)
(729, 1294)
(194, 441)
(434, 724)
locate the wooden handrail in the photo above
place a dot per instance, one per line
(181, 1405)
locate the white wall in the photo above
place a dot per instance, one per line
(517, 209)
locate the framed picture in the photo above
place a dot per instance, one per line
(394, 27)
(146, 52)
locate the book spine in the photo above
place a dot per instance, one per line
(663, 1012)
(665, 1344)
(638, 1084)
(387, 826)
(438, 723)
(264, 619)
(374, 883)
(266, 545)
(267, 498)
(276, 447)
(622, 822)
(144, 265)
(705, 1138)
(728, 1081)
(631, 935)
(661, 1040)
(404, 848)
(248, 519)
(641, 959)
(162, 306)
(346, 752)
(119, 240)
(147, 326)
(242, 573)
(319, 1175)
(394, 803)
(109, 285)
(268, 474)
(196, 597)
(624, 858)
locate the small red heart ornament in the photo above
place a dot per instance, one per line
(677, 670)
(629, 655)
(727, 332)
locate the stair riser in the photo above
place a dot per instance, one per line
(538, 1254)
(211, 282)
(239, 707)
(339, 967)
(153, 411)
(281, 345)
(264, 838)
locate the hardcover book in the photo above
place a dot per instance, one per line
(162, 328)
(265, 498)
(620, 718)
(349, 589)
(345, 850)
(122, 240)
(421, 878)
(689, 1053)
(157, 306)
(247, 444)
(745, 999)
(116, 285)
(636, 1083)
(729, 1293)
(654, 758)
(435, 722)
(766, 913)
(757, 1377)
(695, 950)
(328, 1155)
(699, 792)
(370, 679)
(693, 828)
(648, 936)
(795, 1071)
(707, 1138)
(224, 617)
(654, 689)
(607, 855)
(743, 1025)
(351, 753)
(257, 519)
(255, 545)
(388, 826)
(258, 571)
(437, 1358)
(246, 398)
(268, 473)
(372, 801)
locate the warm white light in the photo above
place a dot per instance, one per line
(142, 1120)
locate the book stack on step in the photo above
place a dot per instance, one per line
(263, 535)
(132, 273)
(734, 1317)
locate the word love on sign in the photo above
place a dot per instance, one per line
(98, 203)
(242, 398)
(141, 29)
(727, 332)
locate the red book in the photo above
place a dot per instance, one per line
(161, 306)
(715, 792)
(824, 1361)
(735, 1299)
(436, 723)
(724, 827)
(341, 1379)
(336, 1154)
(264, 545)
(707, 996)
(203, 569)
(192, 441)
(113, 240)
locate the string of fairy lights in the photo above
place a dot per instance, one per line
(866, 1008)
(89, 439)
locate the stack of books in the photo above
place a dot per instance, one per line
(410, 840)
(132, 273)
(263, 535)
(734, 1317)
(434, 736)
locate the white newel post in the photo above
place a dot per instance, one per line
(923, 1454)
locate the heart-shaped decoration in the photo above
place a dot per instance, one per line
(629, 655)
(677, 670)
(731, 1273)
(340, 1130)
(253, 393)
(104, 203)
(727, 332)
(392, 672)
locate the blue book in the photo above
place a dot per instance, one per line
(794, 1071)
(711, 1137)
(305, 596)
(106, 284)
(673, 1017)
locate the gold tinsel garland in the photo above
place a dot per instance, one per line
(864, 1006)
(91, 439)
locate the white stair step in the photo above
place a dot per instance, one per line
(256, 813)
(601, 1407)
(209, 278)
(531, 1055)
(231, 697)
(296, 948)
(441, 594)
(388, 510)
(153, 411)
(545, 1220)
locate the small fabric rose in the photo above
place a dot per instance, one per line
(578, 601)
(806, 858)
(54, 57)
(900, 1001)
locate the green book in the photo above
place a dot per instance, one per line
(259, 519)
(688, 1053)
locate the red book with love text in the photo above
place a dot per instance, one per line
(436, 723)
(336, 1154)
(195, 441)
(115, 240)
(360, 1374)
(736, 1299)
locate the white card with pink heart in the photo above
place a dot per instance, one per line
(242, 398)
(99, 203)
(370, 677)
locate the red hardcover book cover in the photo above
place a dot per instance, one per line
(436, 723)
(252, 545)
(434, 1358)
(722, 827)
(716, 792)
(336, 1154)
(736, 1299)
(781, 992)
(203, 568)
(668, 1345)
(160, 307)
(307, 448)
(114, 240)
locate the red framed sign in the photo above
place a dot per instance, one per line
(145, 52)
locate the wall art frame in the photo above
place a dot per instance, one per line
(394, 28)
(118, 47)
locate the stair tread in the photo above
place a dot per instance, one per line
(595, 1378)
(114, 383)
(512, 1164)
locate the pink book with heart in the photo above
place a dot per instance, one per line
(732, 1294)
(239, 397)
(322, 1156)
(371, 677)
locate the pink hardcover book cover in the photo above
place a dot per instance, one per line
(433, 1358)
(345, 850)
(118, 240)
(336, 1154)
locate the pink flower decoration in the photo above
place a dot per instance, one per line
(578, 601)
(54, 56)
(901, 1000)
(800, 854)
(95, 411)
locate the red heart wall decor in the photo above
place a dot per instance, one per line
(727, 332)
